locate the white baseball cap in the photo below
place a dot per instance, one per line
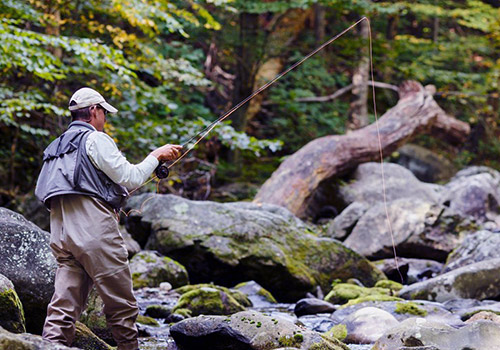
(86, 97)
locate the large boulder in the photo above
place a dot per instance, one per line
(27, 261)
(480, 280)
(420, 229)
(366, 183)
(27, 341)
(418, 332)
(367, 324)
(11, 310)
(479, 246)
(149, 269)
(474, 192)
(423, 163)
(227, 243)
(248, 330)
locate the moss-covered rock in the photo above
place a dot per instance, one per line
(339, 332)
(27, 341)
(85, 339)
(346, 292)
(11, 309)
(249, 330)
(388, 284)
(148, 321)
(230, 242)
(95, 319)
(158, 311)
(149, 269)
(208, 300)
(255, 292)
(238, 295)
(26, 260)
(410, 308)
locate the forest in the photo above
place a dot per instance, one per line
(338, 188)
(173, 67)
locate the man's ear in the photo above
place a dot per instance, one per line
(93, 112)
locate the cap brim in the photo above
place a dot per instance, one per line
(108, 107)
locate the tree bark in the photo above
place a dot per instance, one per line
(296, 183)
(358, 114)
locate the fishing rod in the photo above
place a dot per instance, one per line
(163, 170)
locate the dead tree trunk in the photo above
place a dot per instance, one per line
(295, 183)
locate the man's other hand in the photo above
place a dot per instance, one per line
(167, 152)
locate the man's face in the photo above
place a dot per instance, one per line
(98, 117)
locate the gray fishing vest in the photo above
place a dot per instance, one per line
(67, 169)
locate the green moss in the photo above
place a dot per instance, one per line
(183, 312)
(267, 295)
(239, 296)
(11, 312)
(208, 301)
(338, 331)
(410, 308)
(138, 281)
(291, 341)
(388, 284)
(149, 321)
(344, 292)
(85, 339)
(328, 343)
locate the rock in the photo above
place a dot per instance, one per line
(149, 269)
(258, 296)
(410, 270)
(248, 330)
(341, 227)
(368, 324)
(32, 209)
(158, 311)
(148, 321)
(343, 293)
(426, 165)
(312, 306)
(235, 191)
(365, 185)
(402, 310)
(131, 244)
(86, 340)
(484, 315)
(420, 229)
(466, 308)
(26, 341)
(95, 319)
(233, 242)
(476, 281)
(415, 332)
(478, 246)
(210, 300)
(318, 323)
(11, 309)
(27, 261)
(474, 193)
(165, 286)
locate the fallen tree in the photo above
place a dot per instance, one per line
(299, 183)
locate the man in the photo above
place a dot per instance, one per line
(83, 181)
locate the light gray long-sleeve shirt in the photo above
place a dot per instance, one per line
(106, 156)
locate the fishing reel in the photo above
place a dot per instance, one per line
(162, 171)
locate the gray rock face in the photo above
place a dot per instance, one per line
(259, 296)
(368, 324)
(476, 281)
(420, 229)
(149, 269)
(475, 193)
(366, 185)
(27, 261)
(248, 330)
(27, 341)
(342, 225)
(416, 332)
(479, 246)
(11, 310)
(234, 242)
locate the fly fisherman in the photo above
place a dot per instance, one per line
(83, 181)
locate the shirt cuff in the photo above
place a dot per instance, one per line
(152, 161)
